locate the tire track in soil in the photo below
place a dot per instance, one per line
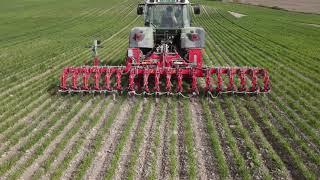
(163, 156)
(123, 163)
(86, 145)
(182, 149)
(226, 149)
(103, 157)
(204, 153)
(49, 150)
(31, 151)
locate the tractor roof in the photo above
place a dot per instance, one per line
(167, 1)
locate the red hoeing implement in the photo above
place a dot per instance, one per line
(164, 72)
(164, 57)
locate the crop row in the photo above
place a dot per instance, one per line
(230, 43)
(16, 101)
(24, 163)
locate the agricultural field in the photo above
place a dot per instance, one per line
(307, 6)
(44, 135)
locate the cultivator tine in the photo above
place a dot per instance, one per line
(244, 75)
(146, 74)
(243, 86)
(157, 81)
(266, 81)
(75, 78)
(107, 79)
(119, 75)
(87, 75)
(231, 86)
(194, 85)
(208, 87)
(179, 84)
(131, 80)
(97, 78)
(254, 79)
(85, 78)
(219, 80)
(63, 79)
(168, 82)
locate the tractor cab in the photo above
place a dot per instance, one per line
(166, 14)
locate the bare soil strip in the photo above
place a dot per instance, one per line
(123, 163)
(154, 149)
(203, 151)
(102, 159)
(313, 25)
(182, 149)
(309, 6)
(163, 157)
(237, 15)
(86, 145)
(145, 150)
(31, 151)
(163, 134)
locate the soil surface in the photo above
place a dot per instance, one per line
(237, 15)
(308, 6)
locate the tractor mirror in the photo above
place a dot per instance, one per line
(196, 9)
(140, 10)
